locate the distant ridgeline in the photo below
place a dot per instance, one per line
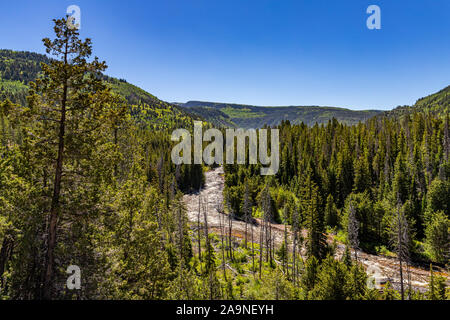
(18, 68)
(247, 116)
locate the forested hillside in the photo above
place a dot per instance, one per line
(436, 104)
(381, 186)
(247, 116)
(18, 68)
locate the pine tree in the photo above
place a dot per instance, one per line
(330, 212)
(309, 276)
(73, 109)
(438, 238)
(310, 201)
(436, 286)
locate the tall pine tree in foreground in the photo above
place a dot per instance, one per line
(71, 114)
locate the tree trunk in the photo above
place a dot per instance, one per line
(198, 229)
(253, 250)
(400, 254)
(54, 210)
(286, 251)
(181, 235)
(5, 253)
(261, 247)
(230, 228)
(205, 209)
(401, 280)
(222, 231)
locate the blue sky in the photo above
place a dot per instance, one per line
(265, 52)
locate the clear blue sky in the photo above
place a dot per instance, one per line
(264, 52)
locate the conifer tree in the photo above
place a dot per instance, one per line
(436, 286)
(330, 212)
(70, 107)
(438, 237)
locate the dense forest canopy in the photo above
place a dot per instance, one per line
(86, 179)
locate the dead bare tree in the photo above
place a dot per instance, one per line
(273, 246)
(160, 170)
(205, 222)
(400, 240)
(160, 228)
(295, 230)
(180, 231)
(230, 234)
(198, 227)
(266, 208)
(261, 235)
(265, 229)
(230, 227)
(247, 210)
(285, 253)
(353, 230)
(219, 208)
(253, 248)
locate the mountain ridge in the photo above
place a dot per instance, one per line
(436, 103)
(251, 116)
(18, 68)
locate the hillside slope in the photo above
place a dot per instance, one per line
(436, 103)
(18, 68)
